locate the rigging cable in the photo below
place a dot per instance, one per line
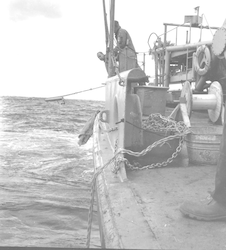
(58, 98)
(208, 25)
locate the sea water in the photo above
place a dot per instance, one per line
(44, 195)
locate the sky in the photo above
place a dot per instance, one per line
(48, 47)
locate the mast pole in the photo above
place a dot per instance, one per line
(111, 70)
(106, 26)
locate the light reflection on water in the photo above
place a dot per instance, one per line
(44, 198)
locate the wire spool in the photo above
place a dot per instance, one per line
(213, 101)
(215, 112)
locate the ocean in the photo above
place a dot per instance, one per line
(44, 174)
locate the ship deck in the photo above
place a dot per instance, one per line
(160, 192)
(143, 212)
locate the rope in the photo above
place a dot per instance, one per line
(121, 82)
(90, 216)
(153, 33)
(93, 184)
(62, 96)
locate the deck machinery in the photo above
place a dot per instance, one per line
(199, 64)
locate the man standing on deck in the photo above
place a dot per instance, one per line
(124, 50)
(216, 209)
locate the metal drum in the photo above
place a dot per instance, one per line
(203, 144)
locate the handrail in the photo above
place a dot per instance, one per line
(186, 25)
(183, 47)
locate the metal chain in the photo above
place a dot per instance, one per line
(158, 123)
(138, 166)
(155, 122)
(164, 125)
